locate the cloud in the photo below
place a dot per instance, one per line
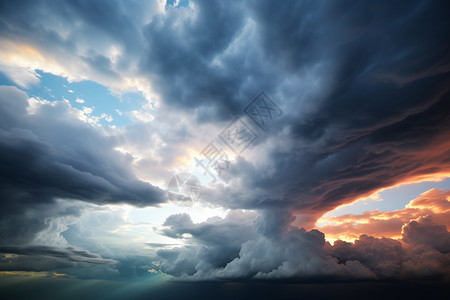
(80, 239)
(435, 200)
(184, 72)
(358, 115)
(213, 252)
(50, 254)
(415, 257)
(52, 154)
(295, 254)
(215, 242)
(365, 131)
(433, 203)
(37, 258)
(78, 40)
(424, 231)
(21, 76)
(298, 254)
(87, 110)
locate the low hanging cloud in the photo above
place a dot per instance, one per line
(284, 252)
(44, 258)
(40, 258)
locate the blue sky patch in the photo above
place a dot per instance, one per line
(84, 93)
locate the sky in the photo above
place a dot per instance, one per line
(230, 145)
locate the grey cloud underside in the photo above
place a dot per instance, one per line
(56, 255)
(76, 262)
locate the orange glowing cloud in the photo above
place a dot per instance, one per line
(348, 227)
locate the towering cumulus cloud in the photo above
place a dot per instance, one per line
(363, 94)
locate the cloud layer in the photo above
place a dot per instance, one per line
(364, 91)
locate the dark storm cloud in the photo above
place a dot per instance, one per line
(364, 87)
(51, 154)
(315, 177)
(180, 54)
(386, 97)
(380, 116)
(43, 23)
